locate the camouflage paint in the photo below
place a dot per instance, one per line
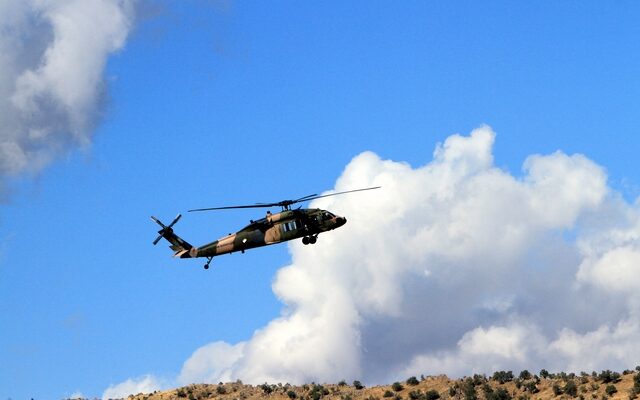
(274, 228)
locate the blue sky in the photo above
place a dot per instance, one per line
(212, 104)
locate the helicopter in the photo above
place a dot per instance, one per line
(288, 224)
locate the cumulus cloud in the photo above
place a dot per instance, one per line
(211, 363)
(144, 384)
(454, 267)
(52, 89)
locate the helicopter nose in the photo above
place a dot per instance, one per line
(341, 221)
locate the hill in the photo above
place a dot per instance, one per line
(502, 385)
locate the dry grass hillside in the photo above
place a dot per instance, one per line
(502, 385)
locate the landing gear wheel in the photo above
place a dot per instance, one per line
(312, 239)
(305, 240)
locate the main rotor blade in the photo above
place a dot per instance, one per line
(304, 198)
(283, 203)
(335, 194)
(232, 207)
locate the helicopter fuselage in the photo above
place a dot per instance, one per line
(274, 228)
(305, 223)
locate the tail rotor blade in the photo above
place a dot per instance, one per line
(157, 221)
(176, 219)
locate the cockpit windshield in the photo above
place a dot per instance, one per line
(325, 216)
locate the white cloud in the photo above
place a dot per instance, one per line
(210, 363)
(616, 270)
(513, 346)
(605, 347)
(144, 384)
(51, 75)
(453, 267)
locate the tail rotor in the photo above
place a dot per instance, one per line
(165, 228)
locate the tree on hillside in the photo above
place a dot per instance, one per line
(469, 390)
(525, 375)
(570, 388)
(397, 386)
(608, 376)
(503, 376)
(432, 395)
(412, 381)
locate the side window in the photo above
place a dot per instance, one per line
(290, 226)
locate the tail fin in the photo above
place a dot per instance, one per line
(178, 245)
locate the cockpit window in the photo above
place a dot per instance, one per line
(325, 216)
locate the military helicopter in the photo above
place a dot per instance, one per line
(275, 228)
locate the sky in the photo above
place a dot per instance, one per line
(505, 235)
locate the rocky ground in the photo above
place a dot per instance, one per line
(502, 385)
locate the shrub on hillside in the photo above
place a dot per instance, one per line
(387, 393)
(500, 394)
(358, 385)
(635, 390)
(487, 389)
(318, 391)
(609, 377)
(557, 390)
(503, 376)
(531, 387)
(412, 381)
(610, 390)
(479, 379)
(525, 375)
(571, 388)
(469, 390)
(266, 388)
(397, 386)
(432, 395)
(415, 395)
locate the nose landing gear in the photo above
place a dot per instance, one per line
(206, 265)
